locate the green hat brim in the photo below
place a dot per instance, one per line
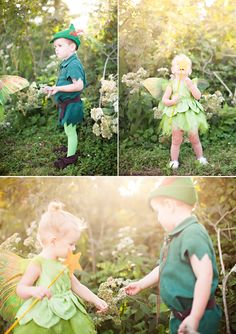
(68, 34)
(181, 189)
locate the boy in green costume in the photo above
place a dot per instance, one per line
(187, 274)
(70, 84)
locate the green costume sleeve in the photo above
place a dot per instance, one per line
(196, 241)
(36, 261)
(75, 71)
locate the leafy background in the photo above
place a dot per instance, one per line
(30, 131)
(151, 33)
(123, 239)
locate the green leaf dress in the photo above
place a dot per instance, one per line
(187, 115)
(63, 313)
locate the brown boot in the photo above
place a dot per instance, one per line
(64, 162)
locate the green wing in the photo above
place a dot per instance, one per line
(202, 84)
(10, 85)
(156, 86)
(12, 268)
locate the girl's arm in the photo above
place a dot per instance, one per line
(146, 282)
(193, 89)
(166, 97)
(86, 294)
(25, 288)
(204, 274)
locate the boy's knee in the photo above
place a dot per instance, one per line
(194, 138)
(177, 137)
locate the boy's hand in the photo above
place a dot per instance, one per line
(133, 288)
(188, 322)
(101, 305)
(50, 90)
(54, 90)
(40, 292)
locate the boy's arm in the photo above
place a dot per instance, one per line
(86, 294)
(204, 274)
(150, 279)
(25, 288)
(147, 281)
(76, 86)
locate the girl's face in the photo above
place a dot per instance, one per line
(65, 244)
(63, 49)
(181, 68)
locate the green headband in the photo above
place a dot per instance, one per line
(68, 34)
(179, 188)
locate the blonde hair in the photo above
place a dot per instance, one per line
(184, 58)
(56, 222)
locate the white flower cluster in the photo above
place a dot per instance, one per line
(112, 291)
(157, 113)
(212, 102)
(125, 243)
(30, 99)
(31, 240)
(134, 79)
(11, 242)
(106, 124)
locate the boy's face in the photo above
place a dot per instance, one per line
(165, 213)
(63, 48)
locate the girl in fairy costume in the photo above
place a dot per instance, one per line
(181, 111)
(59, 309)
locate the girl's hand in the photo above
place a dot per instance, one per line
(1, 84)
(190, 322)
(188, 81)
(133, 288)
(40, 292)
(174, 100)
(101, 305)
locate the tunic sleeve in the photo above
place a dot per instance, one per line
(75, 71)
(196, 241)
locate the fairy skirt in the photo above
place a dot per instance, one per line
(63, 313)
(188, 115)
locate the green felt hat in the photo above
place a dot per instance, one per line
(70, 33)
(179, 188)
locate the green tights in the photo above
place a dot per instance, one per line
(72, 138)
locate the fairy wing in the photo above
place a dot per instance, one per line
(202, 84)
(12, 268)
(155, 86)
(10, 85)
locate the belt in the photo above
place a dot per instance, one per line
(65, 103)
(182, 315)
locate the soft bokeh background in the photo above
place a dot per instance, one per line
(123, 238)
(26, 29)
(151, 33)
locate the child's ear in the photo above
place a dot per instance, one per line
(52, 240)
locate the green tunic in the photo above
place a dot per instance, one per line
(63, 313)
(70, 68)
(187, 115)
(177, 279)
